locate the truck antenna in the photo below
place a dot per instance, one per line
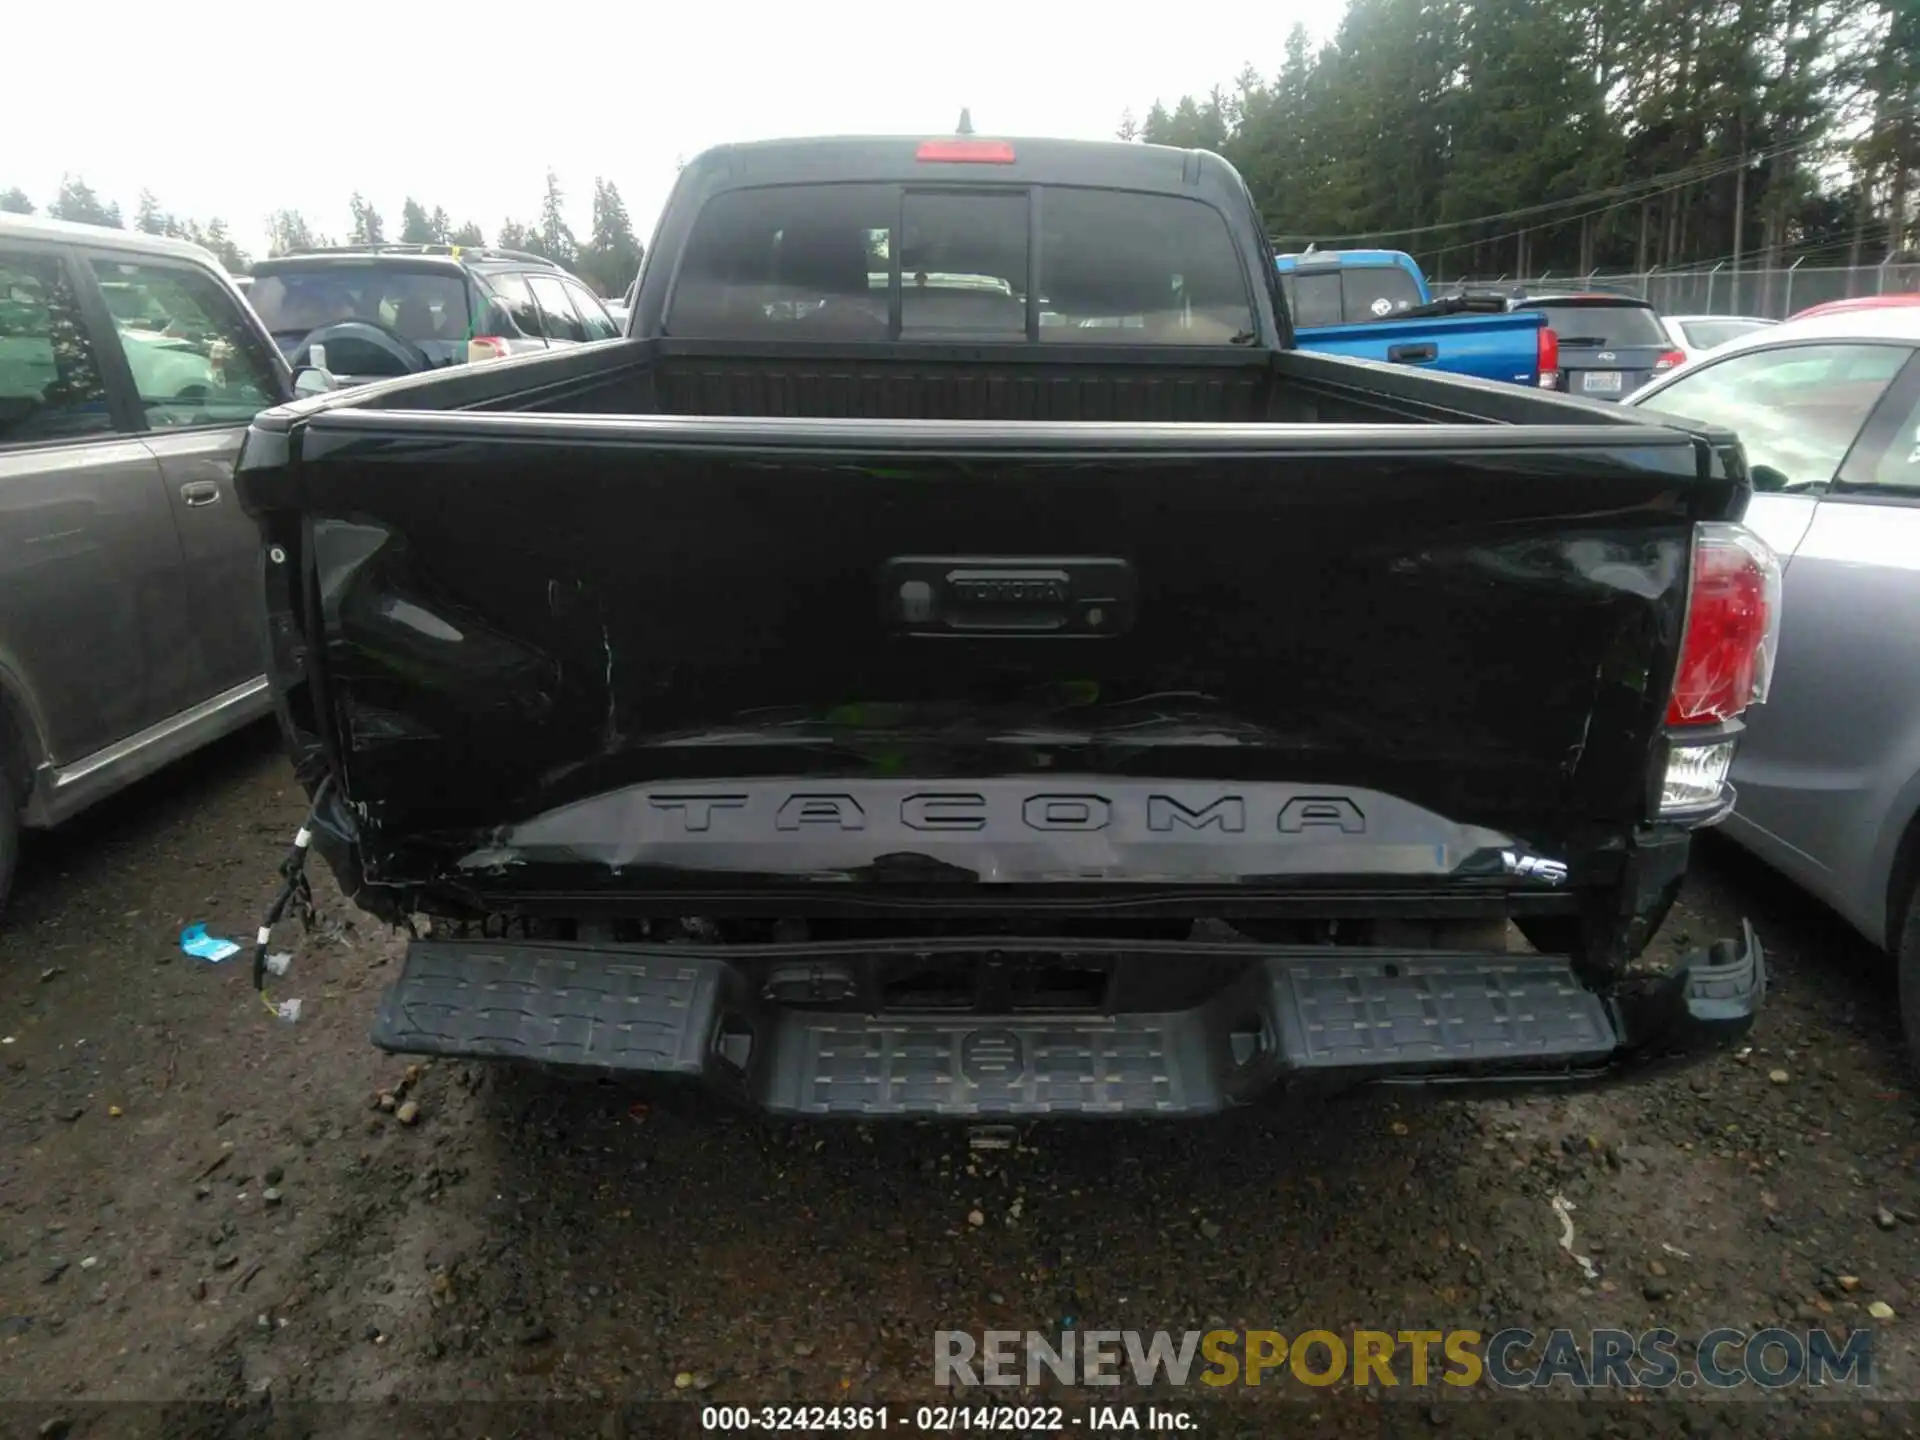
(965, 127)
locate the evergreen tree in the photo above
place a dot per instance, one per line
(148, 217)
(556, 236)
(612, 257)
(416, 226)
(288, 231)
(77, 202)
(367, 226)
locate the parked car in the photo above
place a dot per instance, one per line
(1694, 335)
(132, 630)
(873, 701)
(1895, 300)
(1828, 772)
(628, 300)
(1375, 305)
(378, 311)
(1609, 345)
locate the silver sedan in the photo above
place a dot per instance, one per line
(1828, 773)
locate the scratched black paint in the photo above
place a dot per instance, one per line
(1488, 640)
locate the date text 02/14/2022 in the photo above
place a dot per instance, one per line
(941, 1419)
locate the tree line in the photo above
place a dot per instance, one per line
(1515, 137)
(606, 259)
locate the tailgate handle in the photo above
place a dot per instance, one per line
(1412, 354)
(200, 492)
(1082, 597)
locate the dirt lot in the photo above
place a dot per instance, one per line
(204, 1203)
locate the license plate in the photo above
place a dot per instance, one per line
(1601, 382)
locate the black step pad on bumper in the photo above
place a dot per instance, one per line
(1359, 1015)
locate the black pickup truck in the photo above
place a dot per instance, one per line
(956, 656)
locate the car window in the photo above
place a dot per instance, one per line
(1610, 327)
(428, 308)
(195, 360)
(593, 314)
(1113, 261)
(1899, 465)
(1796, 408)
(1705, 334)
(50, 381)
(517, 300)
(562, 323)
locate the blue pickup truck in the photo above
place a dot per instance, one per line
(1375, 305)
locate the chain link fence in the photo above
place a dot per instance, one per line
(1765, 294)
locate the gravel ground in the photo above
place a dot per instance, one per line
(205, 1204)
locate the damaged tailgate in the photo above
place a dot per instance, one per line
(551, 652)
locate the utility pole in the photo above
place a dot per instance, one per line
(1739, 224)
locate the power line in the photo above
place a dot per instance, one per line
(1617, 194)
(1582, 215)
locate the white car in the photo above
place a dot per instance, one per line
(1694, 335)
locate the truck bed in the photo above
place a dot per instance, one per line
(1001, 383)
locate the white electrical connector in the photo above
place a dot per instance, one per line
(279, 962)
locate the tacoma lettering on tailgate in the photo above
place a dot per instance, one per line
(959, 810)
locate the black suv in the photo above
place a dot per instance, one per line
(386, 310)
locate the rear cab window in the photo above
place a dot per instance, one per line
(1057, 264)
(1349, 295)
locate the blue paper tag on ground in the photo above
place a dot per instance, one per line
(202, 946)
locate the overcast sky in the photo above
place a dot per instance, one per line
(238, 111)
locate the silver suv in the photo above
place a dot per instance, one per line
(133, 629)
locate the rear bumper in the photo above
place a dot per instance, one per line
(1291, 1016)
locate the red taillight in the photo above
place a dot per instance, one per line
(1733, 626)
(1669, 360)
(1547, 361)
(486, 347)
(965, 152)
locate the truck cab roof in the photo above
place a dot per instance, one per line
(1333, 259)
(902, 158)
